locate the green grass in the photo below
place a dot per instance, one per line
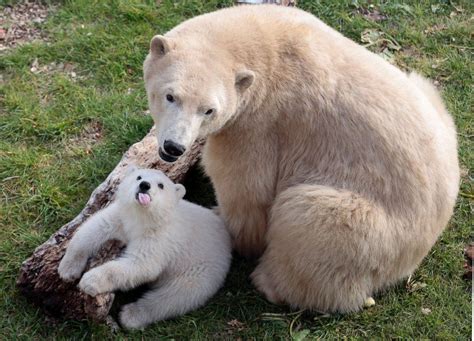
(49, 165)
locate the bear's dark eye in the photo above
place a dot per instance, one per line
(139, 177)
(161, 185)
(210, 111)
(170, 98)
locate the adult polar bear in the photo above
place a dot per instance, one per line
(336, 166)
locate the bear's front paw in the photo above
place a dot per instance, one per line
(71, 269)
(132, 316)
(93, 283)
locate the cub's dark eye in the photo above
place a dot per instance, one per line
(210, 111)
(170, 98)
(139, 177)
(161, 185)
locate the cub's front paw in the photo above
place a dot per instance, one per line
(71, 269)
(94, 282)
(132, 316)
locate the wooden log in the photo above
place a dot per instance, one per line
(39, 280)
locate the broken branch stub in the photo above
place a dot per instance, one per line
(39, 280)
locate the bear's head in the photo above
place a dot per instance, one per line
(193, 91)
(149, 189)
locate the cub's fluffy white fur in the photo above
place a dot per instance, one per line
(182, 248)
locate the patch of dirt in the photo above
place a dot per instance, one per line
(464, 172)
(20, 23)
(381, 43)
(435, 29)
(411, 52)
(228, 333)
(90, 135)
(236, 325)
(66, 68)
(371, 13)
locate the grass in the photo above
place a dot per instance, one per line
(50, 161)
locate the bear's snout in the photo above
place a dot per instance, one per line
(166, 157)
(142, 196)
(144, 186)
(173, 149)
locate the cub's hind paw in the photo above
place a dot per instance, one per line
(132, 317)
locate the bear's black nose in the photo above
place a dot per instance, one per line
(144, 186)
(173, 149)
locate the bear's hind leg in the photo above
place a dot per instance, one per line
(172, 297)
(327, 249)
(247, 227)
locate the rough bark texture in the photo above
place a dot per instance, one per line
(39, 280)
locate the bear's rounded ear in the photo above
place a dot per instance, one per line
(159, 46)
(180, 191)
(244, 79)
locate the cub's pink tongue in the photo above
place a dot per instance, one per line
(144, 199)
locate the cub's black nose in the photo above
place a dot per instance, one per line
(144, 186)
(173, 148)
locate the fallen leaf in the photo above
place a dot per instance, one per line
(387, 55)
(369, 302)
(370, 36)
(457, 8)
(300, 335)
(35, 66)
(236, 324)
(425, 311)
(435, 8)
(435, 28)
(393, 46)
(415, 286)
(404, 7)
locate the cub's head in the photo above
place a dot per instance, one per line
(193, 91)
(149, 189)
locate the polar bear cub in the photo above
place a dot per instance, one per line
(181, 248)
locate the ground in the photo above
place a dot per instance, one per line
(72, 101)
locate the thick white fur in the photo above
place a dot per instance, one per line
(335, 166)
(182, 248)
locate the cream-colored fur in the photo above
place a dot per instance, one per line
(181, 248)
(335, 166)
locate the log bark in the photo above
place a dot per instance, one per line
(39, 280)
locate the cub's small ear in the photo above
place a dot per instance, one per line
(159, 46)
(130, 170)
(244, 79)
(180, 191)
